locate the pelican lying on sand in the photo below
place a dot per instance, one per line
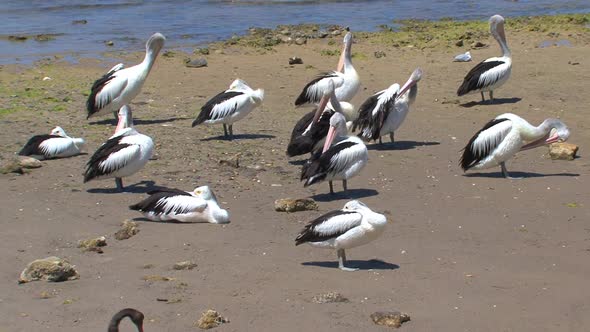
(55, 145)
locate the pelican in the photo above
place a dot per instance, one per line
(501, 138)
(352, 226)
(310, 131)
(346, 79)
(384, 112)
(199, 205)
(493, 72)
(136, 317)
(120, 85)
(341, 161)
(230, 106)
(123, 154)
(55, 145)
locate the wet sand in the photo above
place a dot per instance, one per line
(462, 252)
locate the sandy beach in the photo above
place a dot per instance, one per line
(461, 252)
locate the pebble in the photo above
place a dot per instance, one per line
(196, 63)
(390, 318)
(295, 61)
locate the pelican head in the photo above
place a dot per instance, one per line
(497, 30)
(125, 118)
(556, 131)
(58, 131)
(155, 43)
(337, 128)
(218, 215)
(205, 193)
(354, 205)
(413, 80)
(345, 55)
(239, 84)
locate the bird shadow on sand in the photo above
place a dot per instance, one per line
(137, 188)
(372, 264)
(143, 219)
(349, 194)
(496, 101)
(523, 175)
(138, 121)
(238, 136)
(399, 145)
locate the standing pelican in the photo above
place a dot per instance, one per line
(136, 317)
(123, 154)
(120, 85)
(501, 138)
(310, 131)
(230, 106)
(346, 79)
(55, 145)
(384, 112)
(199, 205)
(341, 161)
(493, 72)
(352, 226)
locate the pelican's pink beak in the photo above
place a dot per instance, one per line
(120, 124)
(329, 138)
(340, 67)
(320, 109)
(553, 138)
(414, 78)
(542, 141)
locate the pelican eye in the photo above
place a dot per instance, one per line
(198, 192)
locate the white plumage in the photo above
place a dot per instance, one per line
(501, 138)
(55, 145)
(120, 85)
(199, 205)
(124, 153)
(352, 226)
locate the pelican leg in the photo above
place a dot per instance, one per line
(505, 171)
(482, 97)
(331, 187)
(119, 183)
(380, 142)
(342, 261)
(391, 137)
(344, 185)
(225, 130)
(492, 96)
(231, 131)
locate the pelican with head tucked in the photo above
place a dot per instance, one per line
(120, 85)
(501, 138)
(493, 72)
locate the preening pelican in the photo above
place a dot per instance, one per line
(230, 106)
(340, 161)
(493, 72)
(346, 79)
(310, 131)
(136, 317)
(501, 138)
(120, 85)
(384, 112)
(352, 226)
(123, 154)
(199, 205)
(55, 145)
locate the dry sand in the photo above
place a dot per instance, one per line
(461, 252)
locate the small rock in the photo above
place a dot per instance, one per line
(322, 34)
(379, 54)
(196, 63)
(79, 22)
(44, 37)
(28, 162)
(294, 205)
(286, 39)
(47, 78)
(336, 33)
(186, 265)
(168, 54)
(93, 244)
(109, 43)
(211, 319)
(295, 61)
(477, 44)
(331, 297)
(156, 278)
(232, 161)
(204, 51)
(51, 268)
(390, 318)
(17, 38)
(128, 229)
(285, 32)
(563, 151)
(300, 41)
(459, 43)
(218, 52)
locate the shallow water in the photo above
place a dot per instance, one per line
(128, 23)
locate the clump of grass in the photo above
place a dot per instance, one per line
(326, 52)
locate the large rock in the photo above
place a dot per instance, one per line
(128, 229)
(29, 162)
(295, 204)
(11, 166)
(563, 151)
(390, 318)
(50, 269)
